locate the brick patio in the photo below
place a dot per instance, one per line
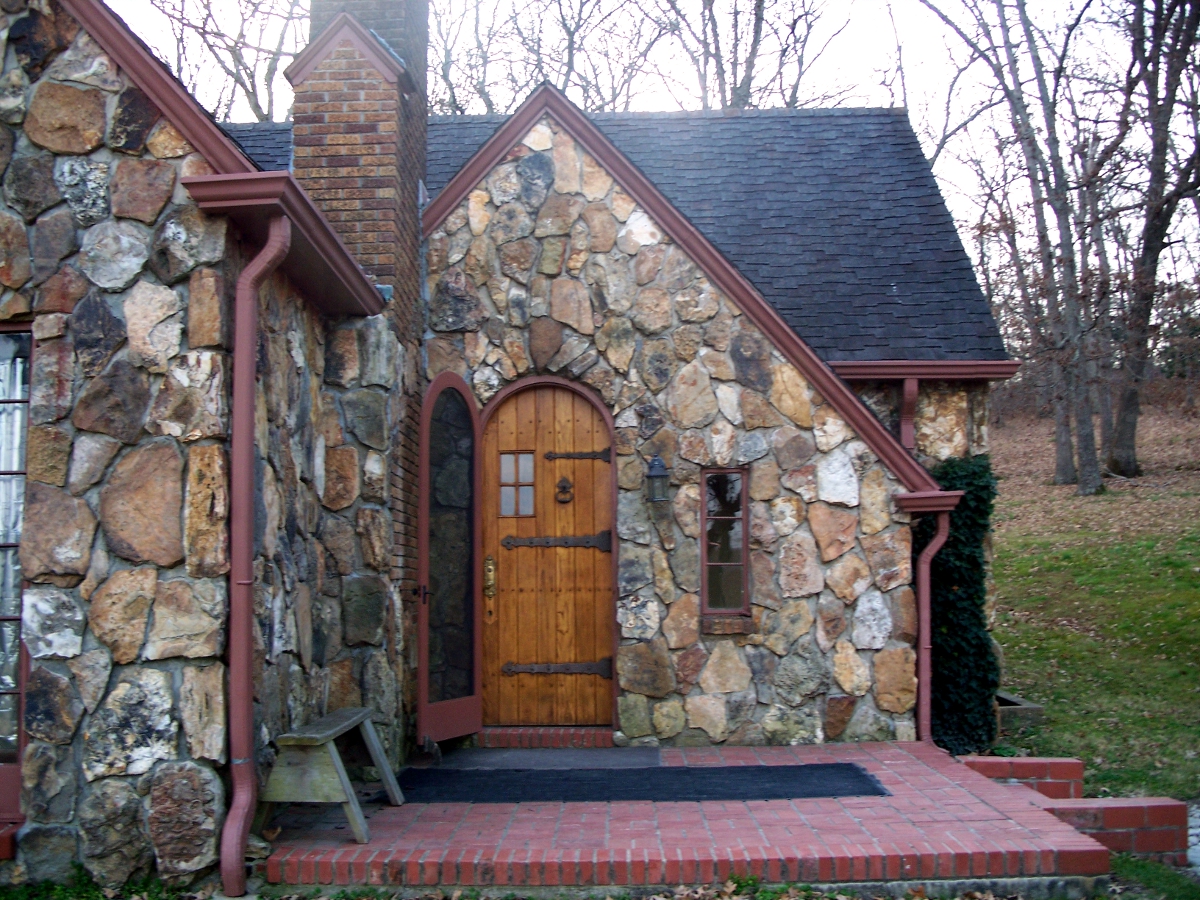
(942, 821)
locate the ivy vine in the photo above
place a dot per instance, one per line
(966, 673)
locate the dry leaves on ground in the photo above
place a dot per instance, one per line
(1162, 499)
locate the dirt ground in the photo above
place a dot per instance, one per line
(1157, 502)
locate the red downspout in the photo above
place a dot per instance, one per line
(241, 575)
(925, 629)
(920, 503)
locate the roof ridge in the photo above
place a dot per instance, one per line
(717, 114)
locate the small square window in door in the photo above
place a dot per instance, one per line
(516, 484)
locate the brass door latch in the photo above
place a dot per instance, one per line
(489, 589)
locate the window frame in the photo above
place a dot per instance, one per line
(725, 612)
(517, 484)
(10, 773)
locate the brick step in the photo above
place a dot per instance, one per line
(1151, 827)
(1058, 777)
(546, 738)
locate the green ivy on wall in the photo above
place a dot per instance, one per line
(965, 671)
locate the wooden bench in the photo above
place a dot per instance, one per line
(309, 768)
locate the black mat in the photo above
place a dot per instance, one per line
(663, 783)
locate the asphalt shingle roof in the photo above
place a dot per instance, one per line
(268, 144)
(833, 215)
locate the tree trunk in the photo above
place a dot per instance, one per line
(1123, 458)
(1064, 451)
(1090, 482)
(1105, 408)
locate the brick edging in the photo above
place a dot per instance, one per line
(1152, 827)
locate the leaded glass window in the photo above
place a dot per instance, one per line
(14, 419)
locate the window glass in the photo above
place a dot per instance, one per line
(724, 493)
(451, 547)
(724, 540)
(14, 417)
(516, 484)
(724, 554)
(725, 584)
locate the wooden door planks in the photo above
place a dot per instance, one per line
(553, 604)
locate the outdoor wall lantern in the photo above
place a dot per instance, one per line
(658, 477)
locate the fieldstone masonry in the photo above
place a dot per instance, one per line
(549, 266)
(127, 287)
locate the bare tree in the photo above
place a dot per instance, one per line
(1031, 69)
(487, 56)
(1163, 36)
(752, 55)
(248, 42)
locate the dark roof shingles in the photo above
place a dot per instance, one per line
(833, 215)
(268, 144)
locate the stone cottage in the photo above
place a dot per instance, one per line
(545, 428)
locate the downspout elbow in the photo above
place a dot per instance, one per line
(243, 772)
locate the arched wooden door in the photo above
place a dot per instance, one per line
(548, 545)
(448, 640)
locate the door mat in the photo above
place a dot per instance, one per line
(665, 783)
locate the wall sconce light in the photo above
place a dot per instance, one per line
(658, 479)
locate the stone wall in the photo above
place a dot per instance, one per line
(326, 611)
(951, 418)
(549, 266)
(355, 155)
(128, 287)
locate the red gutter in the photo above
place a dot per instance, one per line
(318, 258)
(241, 575)
(935, 369)
(940, 502)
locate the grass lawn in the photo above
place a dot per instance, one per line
(1098, 609)
(1106, 635)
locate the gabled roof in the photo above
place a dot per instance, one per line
(345, 27)
(547, 101)
(833, 215)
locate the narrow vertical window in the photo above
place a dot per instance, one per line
(15, 350)
(723, 545)
(516, 484)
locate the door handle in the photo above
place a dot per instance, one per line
(489, 577)
(489, 588)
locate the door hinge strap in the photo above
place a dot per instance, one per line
(604, 455)
(602, 541)
(602, 667)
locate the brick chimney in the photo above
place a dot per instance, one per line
(359, 136)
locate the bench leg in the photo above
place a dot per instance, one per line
(381, 763)
(353, 811)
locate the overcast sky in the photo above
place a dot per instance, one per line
(857, 59)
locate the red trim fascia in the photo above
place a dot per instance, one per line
(240, 652)
(156, 81)
(918, 502)
(742, 472)
(546, 100)
(317, 258)
(346, 27)
(939, 369)
(464, 715)
(534, 381)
